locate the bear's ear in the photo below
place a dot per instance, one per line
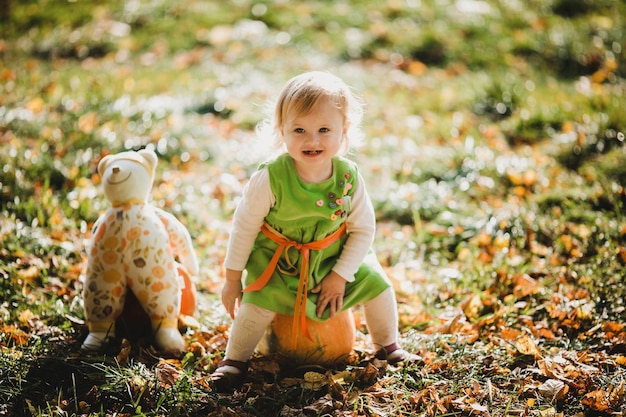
(151, 159)
(104, 162)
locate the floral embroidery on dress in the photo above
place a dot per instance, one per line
(338, 202)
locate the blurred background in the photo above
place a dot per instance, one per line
(494, 149)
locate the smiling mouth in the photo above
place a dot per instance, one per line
(119, 181)
(312, 152)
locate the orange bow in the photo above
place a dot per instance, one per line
(284, 243)
(126, 204)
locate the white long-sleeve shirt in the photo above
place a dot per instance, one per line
(256, 202)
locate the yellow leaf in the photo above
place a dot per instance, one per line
(87, 122)
(29, 273)
(17, 336)
(7, 75)
(417, 68)
(509, 333)
(314, 380)
(526, 346)
(548, 412)
(596, 400)
(25, 316)
(525, 285)
(568, 126)
(529, 178)
(472, 306)
(35, 105)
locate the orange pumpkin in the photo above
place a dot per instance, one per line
(332, 343)
(134, 323)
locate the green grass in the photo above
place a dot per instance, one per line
(494, 155)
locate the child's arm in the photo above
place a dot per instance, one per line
(231, 291)
(256, 201)
(361, 224)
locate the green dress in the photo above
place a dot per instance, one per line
(305, 213)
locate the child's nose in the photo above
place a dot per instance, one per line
(313, 138)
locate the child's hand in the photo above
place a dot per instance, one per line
(331, 289)
(231, 292)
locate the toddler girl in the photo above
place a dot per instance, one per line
(303, 231)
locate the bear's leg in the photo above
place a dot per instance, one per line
(99, 334)
(160, 297)
(103, 298)
(167, 336)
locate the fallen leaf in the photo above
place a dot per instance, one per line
(458, 326)
(25, 316)
(524, 285)
(314, 381)
(15, 335)
(548, 412)
(472, 306)
(167, 374)
(87, 122)
(526, 346)
(597, 401)
(553, 390)
(509, 333)
(35, 105)
(323, 406)
(124, 354)
(29, 274)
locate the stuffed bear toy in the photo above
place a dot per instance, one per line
(135, 247)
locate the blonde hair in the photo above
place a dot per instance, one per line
(302, 93)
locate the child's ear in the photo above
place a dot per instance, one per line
(346, 126)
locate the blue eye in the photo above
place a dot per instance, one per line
(324, 130)
(299, 130)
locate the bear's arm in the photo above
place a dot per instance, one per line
(180, 240)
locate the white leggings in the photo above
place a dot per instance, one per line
(381, 316)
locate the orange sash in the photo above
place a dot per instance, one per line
(284, 243)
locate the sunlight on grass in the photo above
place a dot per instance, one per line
(494, 157)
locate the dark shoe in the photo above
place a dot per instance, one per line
(394, 355)
(225, 381)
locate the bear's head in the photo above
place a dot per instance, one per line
(128, 176)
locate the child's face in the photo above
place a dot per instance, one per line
(314, 139)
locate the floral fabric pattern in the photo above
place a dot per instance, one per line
(135, 247)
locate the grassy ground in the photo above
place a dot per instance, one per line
(495, 159)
